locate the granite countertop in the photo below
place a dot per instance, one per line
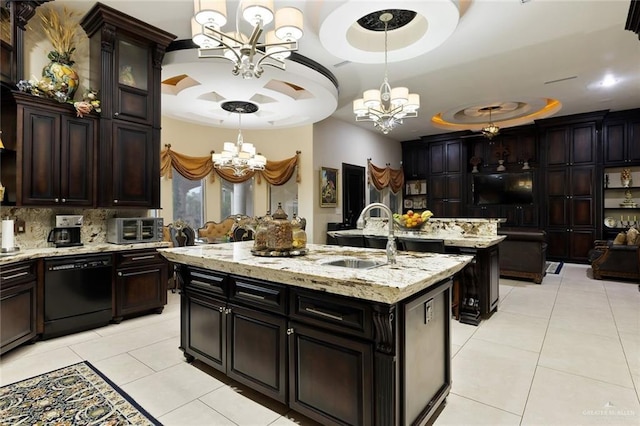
(36, 253)
(471, 241)
(386, 283)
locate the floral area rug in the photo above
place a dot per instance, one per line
(75, 395)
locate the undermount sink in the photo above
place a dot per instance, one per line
(354, 263)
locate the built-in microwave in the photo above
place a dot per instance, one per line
(131, 230)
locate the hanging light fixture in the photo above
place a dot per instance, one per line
(386, 107)
(490, 130)
(239, 157)
(247, 53)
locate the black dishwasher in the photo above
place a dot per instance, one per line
(77, 294)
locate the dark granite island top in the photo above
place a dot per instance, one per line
(412, 273)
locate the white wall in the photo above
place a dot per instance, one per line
(336, 142)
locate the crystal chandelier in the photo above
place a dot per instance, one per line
(386, 107)
(490, 130)
(247, 53)
(240, 157)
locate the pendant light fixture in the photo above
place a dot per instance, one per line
(490, 130)
(247, 52)
(386, 107)
(239, 157)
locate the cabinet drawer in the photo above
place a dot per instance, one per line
(332, 312)
(255, 293)
(138, 257)
(17, 273)
(207, 281)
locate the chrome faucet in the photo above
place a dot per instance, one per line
(392, 250)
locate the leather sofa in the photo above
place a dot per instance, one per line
(523, 254)
(615, 260)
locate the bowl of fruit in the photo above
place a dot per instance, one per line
(412, 220)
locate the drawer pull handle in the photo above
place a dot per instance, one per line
(290, 331)
(19, 274)
(143, 257)
(131, 274)
(324, 314)
(254, 296)
(221, 309)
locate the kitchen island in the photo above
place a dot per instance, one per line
(477, 237)
(342, 345)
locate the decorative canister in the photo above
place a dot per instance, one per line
(279, 231)
(262, 230)
(299, 234)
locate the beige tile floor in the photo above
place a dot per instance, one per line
(566, 352)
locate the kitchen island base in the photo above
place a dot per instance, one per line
(338, 360)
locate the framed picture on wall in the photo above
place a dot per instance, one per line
(328, 187)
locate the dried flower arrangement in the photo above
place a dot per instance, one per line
(46, 88)
(63, 31)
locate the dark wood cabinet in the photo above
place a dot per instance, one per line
(414, 160)
(256, 350)
(331, 378)
(126, 63)
(621, 139)
(520, 143)
(445, 178)
(525, 215)
(17, 304)
(237, 338)
(336, 359)
(130, 168)
(571, 194)
(140, 283)
(57, 152)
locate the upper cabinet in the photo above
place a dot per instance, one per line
(622, 138)
(571, 145)
(414, 160)
(126, 64)
(52, 162)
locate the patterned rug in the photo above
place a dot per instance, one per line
(554, 267)
(75, 395)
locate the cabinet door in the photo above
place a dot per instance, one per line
(580, 242)
(633, 142)
(453, 152)
(583, 144)
(133, 173)
(615, 143)
(17, 315)
(133, 102)
(40, 158)
(528, 216)
(141, 289)
(204, 322)
(257, 351)
(330, 377)
(77, 159)
(557, 140)
(437, 158)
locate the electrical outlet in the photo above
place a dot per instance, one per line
(19, 226)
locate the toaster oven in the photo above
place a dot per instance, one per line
(132, 230)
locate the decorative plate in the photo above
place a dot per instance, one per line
(610, 222)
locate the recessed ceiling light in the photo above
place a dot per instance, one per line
(608, 81)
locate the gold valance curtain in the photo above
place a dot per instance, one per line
(382, 177)
(197, 168)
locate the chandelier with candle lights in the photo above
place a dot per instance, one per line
(386, 107)
(249, 54)
(239, 157)
(490, 130)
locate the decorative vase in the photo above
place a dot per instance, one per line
(625, 178)
(501, 167)
(64, 79)
(525, 166)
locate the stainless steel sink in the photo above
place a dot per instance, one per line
(354, 263)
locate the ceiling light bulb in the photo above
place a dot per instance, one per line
(608, 81)
(258, 11)
(210, 12)
(399, 96)
(289, 23)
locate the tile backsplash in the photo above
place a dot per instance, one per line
(39, 221)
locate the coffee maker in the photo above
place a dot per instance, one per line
(66, 232)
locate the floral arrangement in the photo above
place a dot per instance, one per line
(62, 30)
(46, 88)
(625, 177)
